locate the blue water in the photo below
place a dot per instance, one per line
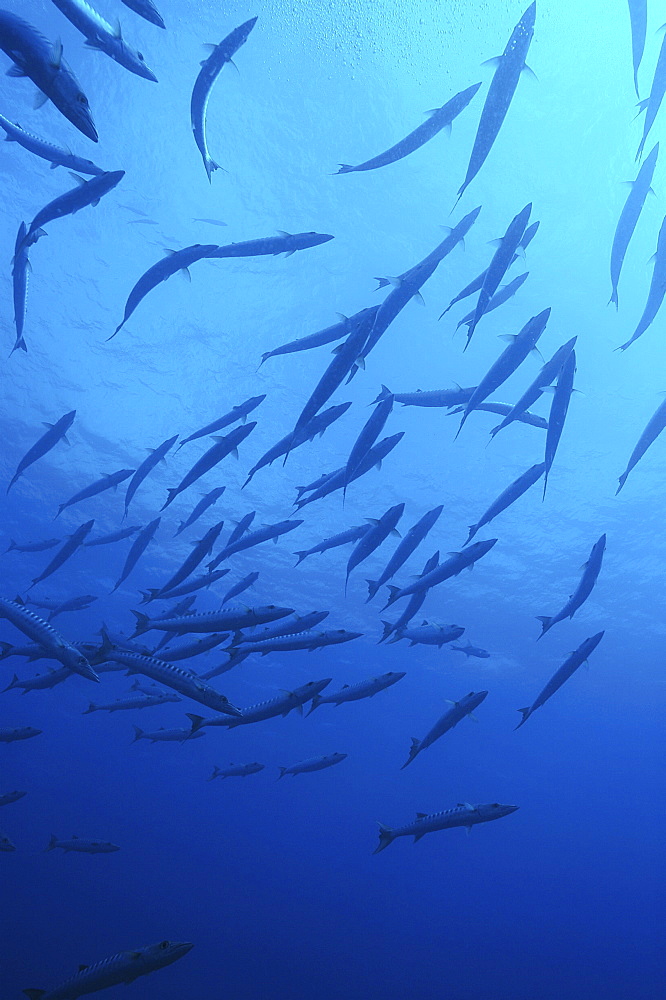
(275, 882)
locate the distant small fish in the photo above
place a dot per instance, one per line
(19, 733)
(652, 104)
(211, 222)
(65, 552)
(653, 429)
(406, 547)
(470, 650)
(132, 702)
(210, 69)
(36, 58)
(455, 564)
(326, 336)
(107, 482)
(41, 682)
(463, 814)
(439, 118)
(205, 580)
(457, 712)
(5, 843)
(252, 538)
(56, 432)
(316, 427)
(355, 692)
(413, 605)
(429, 634)
(500, 93)
(9, 797)
(558, 412)
(207, 501)
(380, 529)
(236, 413)
(570, 665)
(550, 371)
(240, 587)
(20, 270)
(236, 770)
(591, 571)
(167, 735)
(200, 550)
(313, 764)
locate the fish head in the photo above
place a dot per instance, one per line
(6, 844)
(78, 109)
(164, 953)
(494, 810)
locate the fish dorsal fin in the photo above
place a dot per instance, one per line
(56, 54)
(40, 100)
(82, 968)
(77, 177)
(509, 337)
(282, 232)
(345, 686)
(493, 63)
(117, 30)
(421, 815)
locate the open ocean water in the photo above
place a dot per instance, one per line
(275, 882)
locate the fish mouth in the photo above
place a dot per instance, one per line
(141, 70)
(84, 123)
(182, 948)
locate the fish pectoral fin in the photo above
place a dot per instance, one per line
(468, 829)
(493, 63)
(82, 968)
(421, 815)
(529, 72)
(40, 100)
(56, 54)
(15, 70)
(185, 273)
(77, 177)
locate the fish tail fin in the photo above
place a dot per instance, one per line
(622, 481)
(525, 712)
(142, 623)
(345, 168)
(35, 994)
(138, 733)
(473, 528)
(613, 299)
(91, 708)
(413, 750)
(13, 683)
(215, 773)
(545, 623)
(5, 648)
(283, 771)
(316, 701)
(210, 166)
(301, 556)
(373, 587)
(388, 628)
(386, 836)
(393, 595)
(196, 720)
(51, 844)
(171, 497)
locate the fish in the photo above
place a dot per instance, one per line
(197, 583)
(46, 543)
(115, 536)
(455, 564)
(122, 968)
(107, 482)
(163, 735)
(629, 217)
(591, 570)
(550, 370)
(509, 66)
(335, 480)
(47, 636)
(147, 10)
(99, 34)
(207, 500)
(287, 626)
(211, 621)
(429, 634)
(570, 665)
(657, 288)
(431, 397)
(239, 412)
(240, 587)
(236, 770)
(241, 527)
(139, 546)
(282, 705)
(380, 529)
(73, 604)
(302, 640)
(506, 251)
(200, 550)
(174, 261)
(182, 681)
(187, 650)
(653, 429)
(210, 69)
(470, 650)
(330, 334)
(319, 423)
(408, 285)
(343, 538)
(504, 409)
(463, 814)
(406, 546)
(451, 718)
(41, 682)
(55, 433)
(5, 843)
(413, 605)
(438, 119)
(9, 797)
(638, 17)
(652, 104)
(155, 456)
(18, 733)
(251, 538)
(558, 412)
(354, 692)
(286, 243)
(476, 284)
(42, 62)
(313, 764)
(367, 437)
(511, 358)
(20, 270)
(225, 445)
(345, 356)
(65, 552)
(507, 497)
(86, 193)
(82, 846)
(502, 295)
(133, 702)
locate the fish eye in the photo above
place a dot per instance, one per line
(82, 99)
(164, 944)
(140, 55)
(496, 805)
